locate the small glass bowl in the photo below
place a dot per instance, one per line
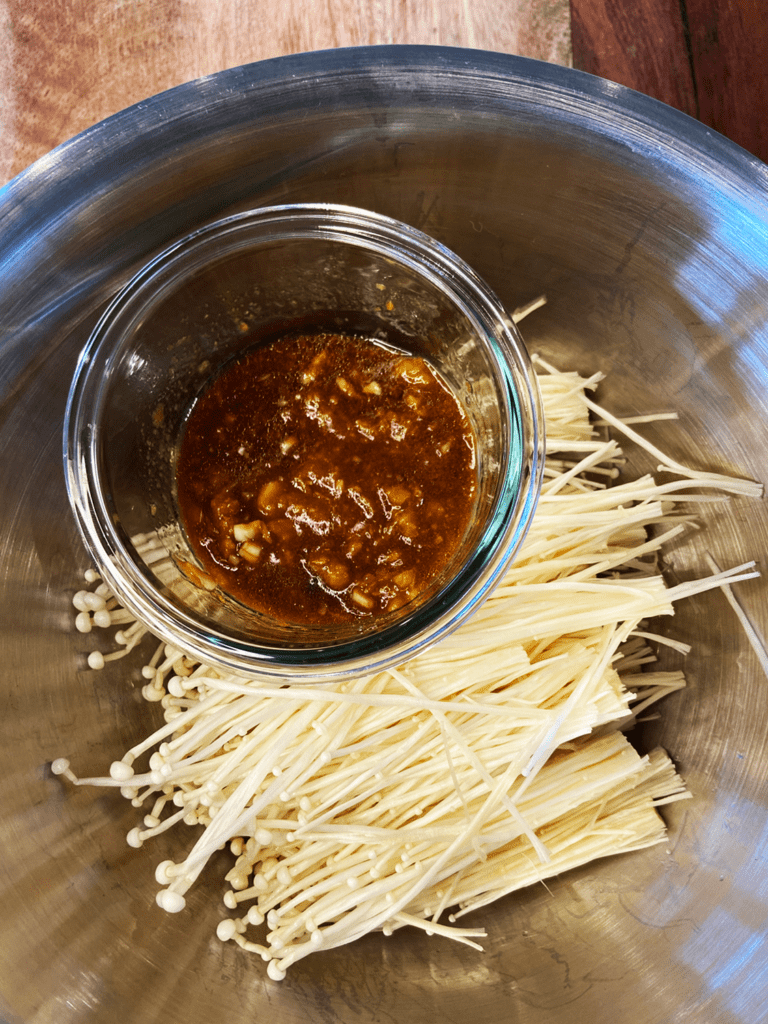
(188, 312)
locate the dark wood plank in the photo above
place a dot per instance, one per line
(729, 50)
(708, 58)
(638, 43)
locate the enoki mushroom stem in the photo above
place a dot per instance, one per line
(494, 761)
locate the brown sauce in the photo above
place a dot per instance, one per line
(323, 476)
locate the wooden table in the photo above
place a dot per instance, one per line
(706, 57)
(65, 64)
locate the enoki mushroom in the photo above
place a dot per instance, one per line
(493, 761)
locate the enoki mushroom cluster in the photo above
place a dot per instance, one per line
(417, 795)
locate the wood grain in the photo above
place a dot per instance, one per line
(640, 43)
(708, 58)
(65, 64)
(729, 52)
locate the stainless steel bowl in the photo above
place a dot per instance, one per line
(649, 235)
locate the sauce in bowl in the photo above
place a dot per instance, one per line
(323, 476)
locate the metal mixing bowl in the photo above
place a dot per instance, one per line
(649, 235)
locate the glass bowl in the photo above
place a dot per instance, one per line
(196, 306)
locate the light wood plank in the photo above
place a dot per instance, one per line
(65, 64)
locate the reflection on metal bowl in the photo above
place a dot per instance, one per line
(649, 235)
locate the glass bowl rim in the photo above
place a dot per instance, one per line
(480, 572)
